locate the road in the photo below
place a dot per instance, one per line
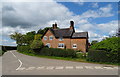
(15, 63)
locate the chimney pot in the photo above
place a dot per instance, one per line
(55, 26)
(71, 25)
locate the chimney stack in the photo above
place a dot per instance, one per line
(54, 26)
(71, 25)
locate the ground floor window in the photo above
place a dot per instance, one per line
(74, 46)
(61, 45)
(48, 45)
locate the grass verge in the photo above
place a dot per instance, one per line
(68, 59)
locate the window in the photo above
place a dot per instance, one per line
(51, 37)
(61, 45)
(74, 45)
(45, 37)
(60, 39)
(48, 45)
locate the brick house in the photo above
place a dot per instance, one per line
(65, 38)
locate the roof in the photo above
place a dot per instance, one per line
(80, 35)
(66, 32)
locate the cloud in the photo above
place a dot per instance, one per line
(110, 27)
(101, 12)
(3, 40)
(33, 14)
(24, 17)
(95, 5)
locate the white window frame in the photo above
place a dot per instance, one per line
(50, 36)
(60, 39)
(49, 45)
(61, 43)
(73, 45)
(45, 37)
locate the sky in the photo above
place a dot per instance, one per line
(100, 19)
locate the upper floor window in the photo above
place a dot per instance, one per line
(74, 46)
(45, 37)
(61, 45)
(60, 39)
(51, 37)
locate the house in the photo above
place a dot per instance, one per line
(65, 38)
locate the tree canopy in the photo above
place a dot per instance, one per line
(109, 44)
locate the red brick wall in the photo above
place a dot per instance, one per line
(81, 43)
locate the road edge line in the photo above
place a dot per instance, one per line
(18, 60)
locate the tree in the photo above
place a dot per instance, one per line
(37, 37)
(94, 42)
(18, 37)
(23, 39)
(36, 44)
(29, 37)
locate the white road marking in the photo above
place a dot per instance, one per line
(19, 65)
(79, 67)
(59, 67)
(18, 60)
(98, 67)
(13, 54)
(30, 68)
(115, 67)
(108, 67)
(50, 68)
(89, 67)
(69, 67)
(39, 68)
(21, 68)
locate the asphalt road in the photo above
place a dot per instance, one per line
(14, 63)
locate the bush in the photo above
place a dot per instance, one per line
(110, 44)
(2, 50)
(105, 51)
(36, 44)
(24, 48)
(58, 52)
(102, 56)
(81, 55)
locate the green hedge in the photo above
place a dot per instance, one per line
(2, 50)
(58, 52)
(24, 48)
(48, 51)
(102, 56)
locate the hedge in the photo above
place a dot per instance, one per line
(48, 51)
(58, 52)
(24, 48)
(102, 56)
(2, 50)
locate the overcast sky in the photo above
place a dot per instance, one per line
(100, 19)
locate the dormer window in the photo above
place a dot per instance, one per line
(60, 39)
(45, 37)
(51, 37)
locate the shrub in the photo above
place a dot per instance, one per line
(81, 55)
(2, 50)
(24, 48)
(102, 56)
(58, 52)
(110, 44)
(36, 44)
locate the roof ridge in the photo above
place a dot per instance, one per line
(81, 32)
(61, 29)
